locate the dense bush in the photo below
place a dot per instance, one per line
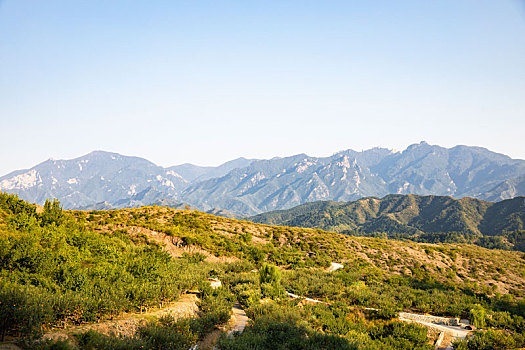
(216, 305)
(23, 309)
(400, 335)
(54, 272)
(491, 340)
(267, 333)
(165, 334)
(287, 326)
(270, 281)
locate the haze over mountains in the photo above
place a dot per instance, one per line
(103, 180)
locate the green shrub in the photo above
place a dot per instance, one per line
(194, 258)
(49, 344)
(60, 273)
(477, 316)
(270, 334)
(165, 334)
(269, 274)
(491, 340)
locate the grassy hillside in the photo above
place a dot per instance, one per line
(60, 268)
(290, 247)
(420, 218)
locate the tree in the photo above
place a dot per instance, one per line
(269, 274)
(52, 212)
(477, 316)
(270, 279)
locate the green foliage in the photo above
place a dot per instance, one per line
(270, 281)
(286, 326)
(386, 312)
(267, 333)
(165, 334)
(494, 242)
(54, 272)
(52, 213)
(398, 335)
(61, 268)
(269, 274)
(22, 309)
(516, 238)
(246, 237)
(477, 316)
(194, 258)
(49, 344)
(491, 340)
(168, 334)
(430, 219)
(16, 206)
(314, 283)
(216, 304)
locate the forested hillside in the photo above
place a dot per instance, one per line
(62, 268)
(421, 218)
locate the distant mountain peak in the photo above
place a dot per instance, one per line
(249, 186)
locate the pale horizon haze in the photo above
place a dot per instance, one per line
(205, 82)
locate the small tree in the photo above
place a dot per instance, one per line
(270, 279)
(477, 316)
(52, 212)
(269, 274)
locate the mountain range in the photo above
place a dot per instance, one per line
(104, 180)
(405, 214)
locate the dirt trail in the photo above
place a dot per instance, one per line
(450, 333)
(237, 323)
(455, 331)
(239, 319)
(315, 301)
(128, 323)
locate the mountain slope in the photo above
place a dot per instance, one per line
(507, 189)
(93, 178)
(107, 180)
(406, 214)
(293, 247)
(195, 173)
(250, 187)
(420, 169)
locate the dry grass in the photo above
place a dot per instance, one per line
(496, 270)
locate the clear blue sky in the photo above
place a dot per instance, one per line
(208, 81)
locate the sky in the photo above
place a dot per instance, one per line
(208, 81)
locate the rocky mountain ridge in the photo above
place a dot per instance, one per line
(249, 187)
(423, 169)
